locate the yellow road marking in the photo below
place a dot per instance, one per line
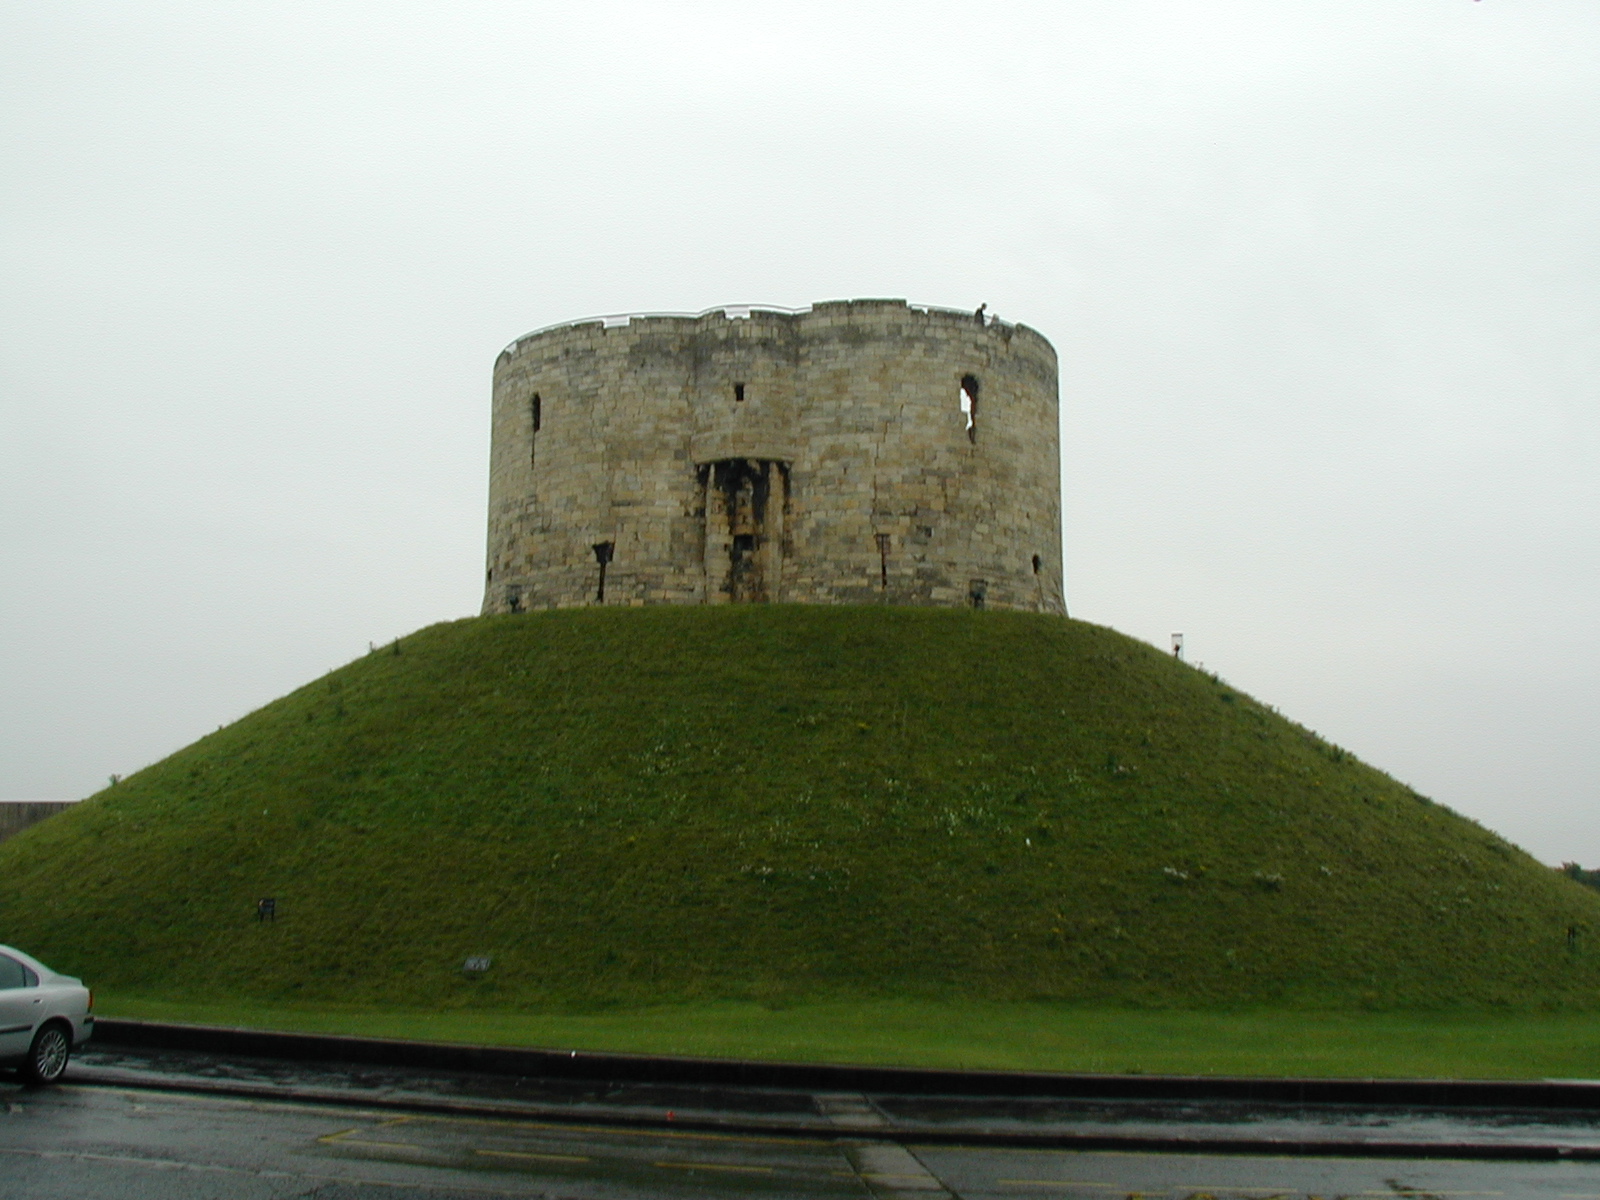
(685, 1135)
(881, 1177)
(576, 1158)
(702, 1166)
(1239, 1189)
(1190, 1187)
(329, 1138)
(381, 1145)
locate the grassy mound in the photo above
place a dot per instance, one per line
(694, 804)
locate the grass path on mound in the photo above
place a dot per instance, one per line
(1039, 1037)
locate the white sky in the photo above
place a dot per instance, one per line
(1324, 278)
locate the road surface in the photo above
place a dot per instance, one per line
(80, 1141)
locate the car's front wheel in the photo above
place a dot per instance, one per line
(47, 1057)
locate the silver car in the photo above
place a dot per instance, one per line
(42, 1016)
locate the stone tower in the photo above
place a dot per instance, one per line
(856, 452)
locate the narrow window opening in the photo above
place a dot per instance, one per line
(978, 592)
(514, 598)
(969, 405)
(1037, 563)
(738, 393)
(602, 555)
(535, 419)
(883, 560)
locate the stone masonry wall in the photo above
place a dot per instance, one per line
(819, 457)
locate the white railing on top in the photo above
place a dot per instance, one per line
(734, 312)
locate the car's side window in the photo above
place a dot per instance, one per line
(30, 977)
(12, 974)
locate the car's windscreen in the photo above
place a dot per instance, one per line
(11, 973)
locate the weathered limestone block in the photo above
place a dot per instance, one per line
(859, 452)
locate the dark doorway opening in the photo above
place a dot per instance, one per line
(744, 515)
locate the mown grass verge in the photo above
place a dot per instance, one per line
(683, 806)
(974, 1034)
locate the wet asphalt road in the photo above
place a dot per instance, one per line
(105, 1140)
(773, 1109)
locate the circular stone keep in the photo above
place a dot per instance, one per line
(861, 451)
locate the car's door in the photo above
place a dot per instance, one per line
(19, 1006)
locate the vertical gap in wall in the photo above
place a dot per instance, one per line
(747, 512)
(738, 393)
(535, 420)
(883, 560)
(1037, 563)
(602, 555)
(978, 592)
(969, 405)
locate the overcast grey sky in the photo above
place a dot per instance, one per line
(1324, 278)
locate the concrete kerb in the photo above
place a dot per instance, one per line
(830, 1077)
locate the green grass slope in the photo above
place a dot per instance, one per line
(688, 804)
